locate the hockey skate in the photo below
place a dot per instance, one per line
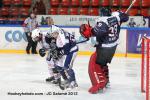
(106, 72)
(108, 84)
(50, 79)
(67, 85)
(97, 88)
(53, 80)
(57, 81)
(62, 84)
(72, 85)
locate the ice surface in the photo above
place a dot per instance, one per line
(27, 73)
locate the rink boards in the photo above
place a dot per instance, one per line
(13, 40)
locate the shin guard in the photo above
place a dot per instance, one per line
(97, 75)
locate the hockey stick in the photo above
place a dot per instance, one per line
(130, 6)
(82, 41)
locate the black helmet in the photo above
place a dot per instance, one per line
(105, 11)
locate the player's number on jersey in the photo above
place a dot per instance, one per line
(99, 24)
(113, 30)
(69, 36)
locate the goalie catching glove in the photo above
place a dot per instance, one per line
(85, 30)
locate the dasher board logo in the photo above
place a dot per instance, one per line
(15, 36)
(134, 40)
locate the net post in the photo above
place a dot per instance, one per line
(147, 71)
(142, 66)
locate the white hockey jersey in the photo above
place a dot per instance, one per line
(43, 43)
(65, 40)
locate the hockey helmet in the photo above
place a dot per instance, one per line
(54, 29)
(105, 11)
(35, 33)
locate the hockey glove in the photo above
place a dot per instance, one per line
(85, 30)
(60, 53)
(50, 40)
(42, 52)
(57, 54)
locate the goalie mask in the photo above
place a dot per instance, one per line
(105, 11)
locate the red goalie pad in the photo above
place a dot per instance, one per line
(96, 74)
(93, 68)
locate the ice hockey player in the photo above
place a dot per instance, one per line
(66, 51)
(48, 44)
(106, 31)
(66, 42)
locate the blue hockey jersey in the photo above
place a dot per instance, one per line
(107, 30)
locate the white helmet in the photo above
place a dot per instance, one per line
(35, 33)
(55, 29)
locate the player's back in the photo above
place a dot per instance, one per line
(43, 41)
(107, 30)
(108, 21)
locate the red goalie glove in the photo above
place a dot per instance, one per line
(85, 30)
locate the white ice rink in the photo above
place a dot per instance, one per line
(27, 73)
